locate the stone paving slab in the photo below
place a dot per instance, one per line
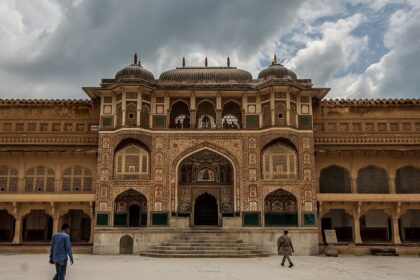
(36, 267)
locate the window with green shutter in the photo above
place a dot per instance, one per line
(159, 122)
(160, 219)
(305, 122)
(309, 219)
(102, 219)
(252, 121)
(251, 219)
(107, 121)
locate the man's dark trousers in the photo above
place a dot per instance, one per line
(60, 268)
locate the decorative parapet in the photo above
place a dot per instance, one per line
(369, 102)
(364, 139)
(52, 102)
(79, 139)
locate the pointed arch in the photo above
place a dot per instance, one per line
(8, 179)
(176, 164)
(179, 115)
(232, 115)
(280, 209)
(77, 179)
(407, 179)
(334, 179)
(206, 115)
(372, 179)
(40, 178)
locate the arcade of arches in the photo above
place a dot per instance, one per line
(361, 216)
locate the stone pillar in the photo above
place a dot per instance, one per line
(123, 109)
(320, 239)
(56, 223)
(17, 237)
(92, 224)
(356, 225)
(356, 230)
(353, 182)
(391, 183)
(395, 229)
(139, 103)
(218, 118)
(193, 119)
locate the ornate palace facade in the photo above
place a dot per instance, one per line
(204, 148)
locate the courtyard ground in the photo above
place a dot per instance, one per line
(36, 267)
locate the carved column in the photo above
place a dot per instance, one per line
(353, 186)
(193, 119)
(56, 223)
(391, 183)
(356, 224)
(218, 118)
(123, 109)
(92, 223)
(17, 237)
(395, 225)
(319, 218)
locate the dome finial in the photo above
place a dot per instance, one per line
(135, 58)
(183, 61)
(205, 62)
(274, 59)
(228, 61)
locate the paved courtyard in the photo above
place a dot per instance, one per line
(36, 267)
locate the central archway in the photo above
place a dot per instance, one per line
(206, 210)
(210, 171)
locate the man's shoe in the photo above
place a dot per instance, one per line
(282, 264)
(290, 265)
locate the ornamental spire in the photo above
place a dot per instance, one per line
(274, 59)
(135, 59)
(205, 62)
(183, 61)
(228, 61)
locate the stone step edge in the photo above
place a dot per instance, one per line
(153, 255)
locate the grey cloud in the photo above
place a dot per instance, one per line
(96, 38)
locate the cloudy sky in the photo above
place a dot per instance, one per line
(361, 49)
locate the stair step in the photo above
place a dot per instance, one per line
(219, 255)
(161, 247)
(206, 245)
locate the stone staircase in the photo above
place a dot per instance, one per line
(205, 244)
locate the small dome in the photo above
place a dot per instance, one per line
(134, 71)
(277, 71)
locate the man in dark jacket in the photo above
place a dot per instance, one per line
(60, 249)
(285, 247)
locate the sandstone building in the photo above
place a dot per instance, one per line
(210, 149)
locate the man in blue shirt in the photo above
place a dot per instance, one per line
(60, 249)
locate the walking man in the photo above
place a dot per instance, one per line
(285, 247)
(60, 249)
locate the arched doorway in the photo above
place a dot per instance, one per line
(126, 245)
(134, 215)
(341, 222)
(80, 225)
(206, 210)
(130, 209)
(375, 227)
(280, 209)
(7, 226)
(205, 171)
(410, 226)
(37, 227)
